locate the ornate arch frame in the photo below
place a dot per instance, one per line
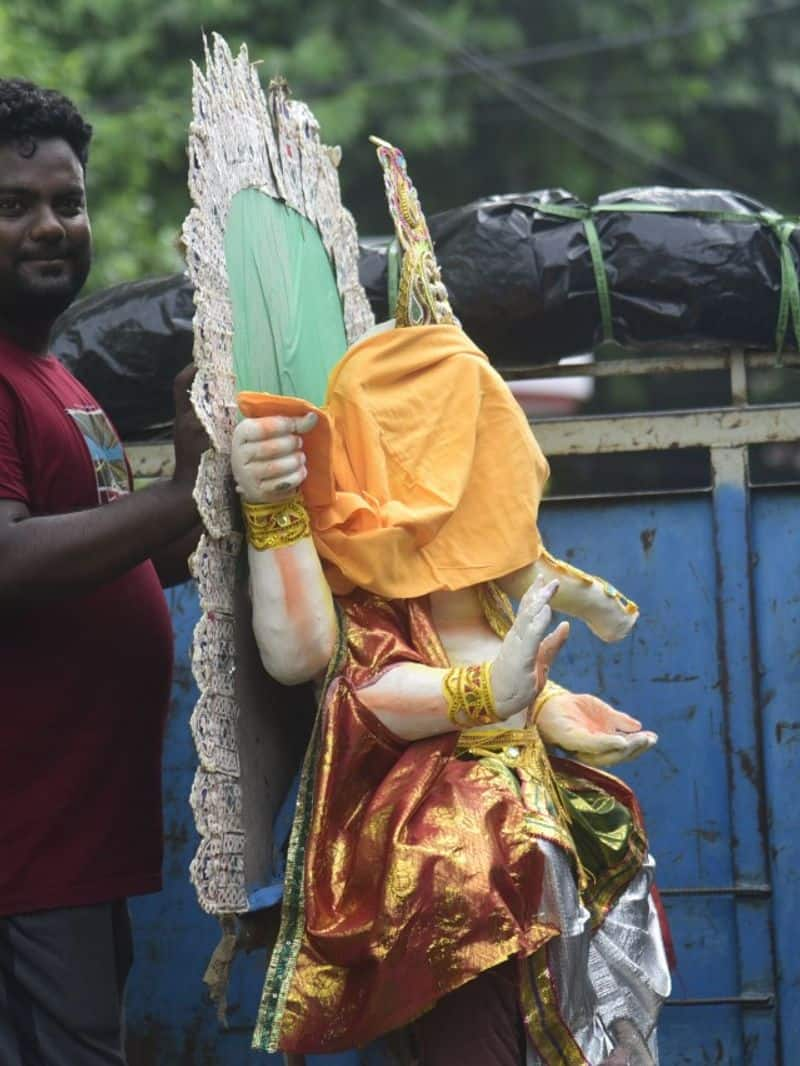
(240, 137)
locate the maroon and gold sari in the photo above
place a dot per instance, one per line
(413, 867)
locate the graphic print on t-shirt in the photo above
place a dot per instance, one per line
(106, 451)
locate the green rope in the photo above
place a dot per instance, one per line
(789, 308)
(782, 227)
(600, 279)
(392, 275)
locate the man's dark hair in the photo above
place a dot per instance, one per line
(29, 114)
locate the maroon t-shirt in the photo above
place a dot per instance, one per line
(84, 682)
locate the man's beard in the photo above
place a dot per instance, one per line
(46, 300)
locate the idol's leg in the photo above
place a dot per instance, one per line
(629, 969)
(479, 1024)
(565, 1004)
(607, 987)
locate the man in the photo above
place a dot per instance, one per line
(85, 637)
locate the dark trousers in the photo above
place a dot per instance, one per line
(62, 986)
(477, 1025)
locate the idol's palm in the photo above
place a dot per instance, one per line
(590, 729)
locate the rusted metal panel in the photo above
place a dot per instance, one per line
(745, 779)
(776, 581)
(661, 552)
(718, 791)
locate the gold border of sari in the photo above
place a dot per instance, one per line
(548, 1031)
(282, 963)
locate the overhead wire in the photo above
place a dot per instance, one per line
(543, 106)
(575, 48)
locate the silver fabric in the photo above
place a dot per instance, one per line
(620, 972)
(627, 962)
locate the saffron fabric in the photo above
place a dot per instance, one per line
(420, 447)
(85, 679)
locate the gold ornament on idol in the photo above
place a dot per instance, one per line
(548, 690)
(276, 525)
(468, 691)
(422, 299)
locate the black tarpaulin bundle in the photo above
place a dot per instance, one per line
(538, 276)
(532, 277)
(126, 344)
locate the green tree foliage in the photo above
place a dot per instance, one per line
(485, 96)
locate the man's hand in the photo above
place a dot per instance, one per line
(592, 731)
(189, 437)
(524, 660)
(267, 456)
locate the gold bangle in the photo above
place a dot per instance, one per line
(548, 690)
(276, 525)
(468, 692)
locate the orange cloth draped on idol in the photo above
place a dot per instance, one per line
(438, 844)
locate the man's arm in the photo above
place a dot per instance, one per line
(49, 557)
(53, 556)
(172, 561)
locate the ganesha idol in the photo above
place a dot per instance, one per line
(448, 871)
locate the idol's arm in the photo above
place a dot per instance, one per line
(580, 723)
(294, 621)
(293, 615)
(411, 701)
(589, 729)
(604, 609)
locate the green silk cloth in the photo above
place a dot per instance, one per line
(288, 326)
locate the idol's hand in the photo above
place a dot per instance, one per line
(525, 657)
(592, 731)
(267, 456)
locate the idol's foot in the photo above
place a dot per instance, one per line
(618, 1057)
(604, 609)
(629, 1047)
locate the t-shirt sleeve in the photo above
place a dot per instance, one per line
(13, 482)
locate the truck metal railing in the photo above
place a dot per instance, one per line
(727, 426)
(736, 425)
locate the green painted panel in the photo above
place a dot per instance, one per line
(287, 313)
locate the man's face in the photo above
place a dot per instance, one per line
(45, 237)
